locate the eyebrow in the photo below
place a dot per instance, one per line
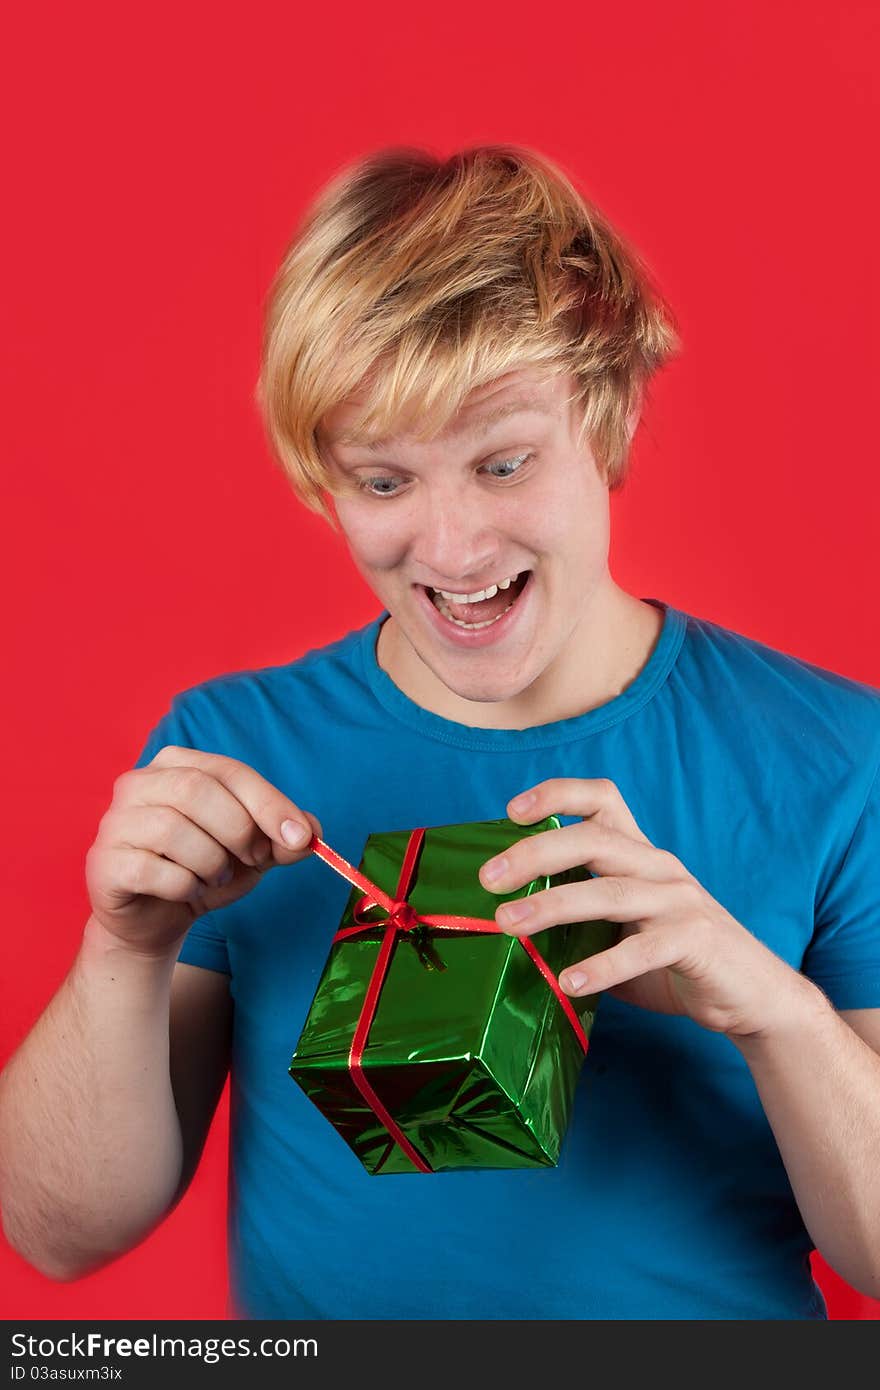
(480, 425)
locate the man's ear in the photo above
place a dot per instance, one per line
(635, 413)
(329, 500)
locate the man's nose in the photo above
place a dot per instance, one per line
(455, 541)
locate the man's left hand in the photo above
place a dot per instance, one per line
(679, 952)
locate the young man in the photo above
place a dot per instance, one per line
(455, 361)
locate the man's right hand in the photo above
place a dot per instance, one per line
(174, 829)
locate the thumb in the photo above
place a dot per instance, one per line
(296, 834)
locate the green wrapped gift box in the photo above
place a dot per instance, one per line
(432, 1047)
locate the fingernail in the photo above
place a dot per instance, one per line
(226, 876)
(522, 802)
(516, 912)
(494, 869)
(572, 981)
(295, 834)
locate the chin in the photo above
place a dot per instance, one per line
(489, 689)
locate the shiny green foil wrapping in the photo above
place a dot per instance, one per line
(469, 1050)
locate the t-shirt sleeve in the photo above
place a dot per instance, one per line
(205, 943)
(843, 957)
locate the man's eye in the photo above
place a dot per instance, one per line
(368, 484)
(521, 459)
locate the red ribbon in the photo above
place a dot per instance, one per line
(402, 917)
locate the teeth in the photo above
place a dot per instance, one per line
(479, 595)
(459, 622)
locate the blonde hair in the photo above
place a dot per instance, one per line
(416, 279)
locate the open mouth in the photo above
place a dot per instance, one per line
(484, 612)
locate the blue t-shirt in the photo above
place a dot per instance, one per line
(758, 770)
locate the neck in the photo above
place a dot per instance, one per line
(609, 646)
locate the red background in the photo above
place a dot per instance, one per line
(158, 162)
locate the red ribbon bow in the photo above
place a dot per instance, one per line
(402, 917)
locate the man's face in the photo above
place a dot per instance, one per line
(505, 490)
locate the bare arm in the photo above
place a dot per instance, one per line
(819, 1083)
(105, 1106)
(101, 1123)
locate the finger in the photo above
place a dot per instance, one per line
(634, 956)
(594, 797)
(595, 846)
(594, 900)
(141, 872)
(202, 799)
(265, 807)
(168, 832)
